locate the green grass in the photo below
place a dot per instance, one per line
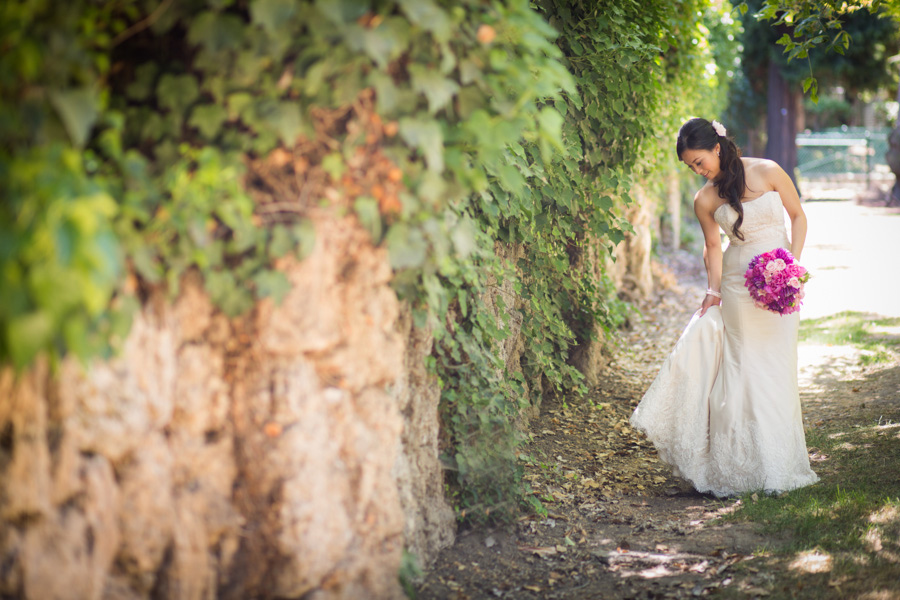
(850, 520)
(878, 357)
(852, 514)
(853, 328)
(878, 337)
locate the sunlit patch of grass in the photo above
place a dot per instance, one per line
(851, 516)
(878, 336)
(877, 357)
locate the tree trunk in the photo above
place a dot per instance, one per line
(893, 160)
(781, 122)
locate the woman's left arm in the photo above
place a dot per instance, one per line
(791, 201)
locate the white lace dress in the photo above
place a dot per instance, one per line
(724, 410)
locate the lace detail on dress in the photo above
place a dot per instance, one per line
(763, 219)
(675, 416)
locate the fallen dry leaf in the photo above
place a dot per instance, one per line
(539, 550)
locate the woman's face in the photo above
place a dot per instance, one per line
(703, 162)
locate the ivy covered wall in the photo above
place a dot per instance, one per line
(479, 142)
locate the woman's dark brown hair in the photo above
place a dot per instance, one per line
(699, 134)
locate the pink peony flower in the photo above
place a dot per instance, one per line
(775, 281)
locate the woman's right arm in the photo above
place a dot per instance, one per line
(704, 208)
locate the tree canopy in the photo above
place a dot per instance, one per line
(803, 25)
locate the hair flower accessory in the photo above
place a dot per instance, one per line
(720, 129)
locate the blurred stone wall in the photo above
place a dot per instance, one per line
(630, 274)
(292, 453)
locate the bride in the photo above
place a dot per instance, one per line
(724, 410)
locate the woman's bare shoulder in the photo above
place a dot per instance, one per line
(762, 174)
(707, 198)
(762, 166)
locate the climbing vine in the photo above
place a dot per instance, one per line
(489, 145)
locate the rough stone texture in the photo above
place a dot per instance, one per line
(261, 457)
(429, 522)
(513, 347)
(631, 272)
(590, 356)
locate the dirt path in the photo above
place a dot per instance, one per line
(618, 525)
(614, 511)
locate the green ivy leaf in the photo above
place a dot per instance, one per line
(437, 89)
(305, 233)
(280, 242)
(145, 261)
(224, 292)
(240, 105)
(463, 236)
(407, 247)
(429, 16)
(369, 216)
(431, 187)
(426, 135)
(208, 119)
(75, 332)
(272, 284)
(272, 15)
(341, 12)
(142, 86)
(27, 335)
(385, 42)
(78, 109)
(285, 120)
(386, 93)
(216, 32)
(177, 92)
(334, 164)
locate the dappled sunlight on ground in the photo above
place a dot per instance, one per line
(846, 362)
(812, 562)
(873, 540)
(881, 595)
(821, 364)
(617, 524)
(883, 535)
(887, 332)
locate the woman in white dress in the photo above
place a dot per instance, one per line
(724, 410)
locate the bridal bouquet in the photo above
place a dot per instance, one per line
(776, 281)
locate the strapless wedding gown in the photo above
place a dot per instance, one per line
(724, 409)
